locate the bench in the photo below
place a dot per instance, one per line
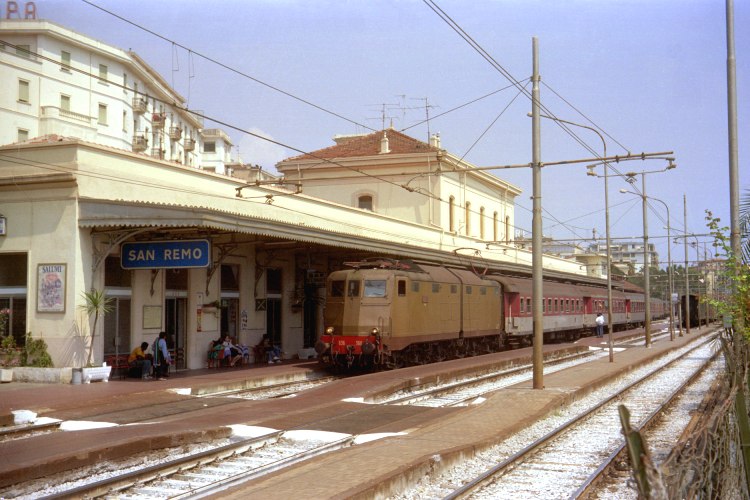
(119, 363)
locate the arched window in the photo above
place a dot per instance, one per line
(468, 218)
(507, 229)
(494, 227)
(365, 202)
(451, 213)
(481, 222)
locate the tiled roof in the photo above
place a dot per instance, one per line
(369, 145)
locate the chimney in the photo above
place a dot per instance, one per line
(384, 144)
(435, 140)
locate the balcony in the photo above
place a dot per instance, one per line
(175, 133)
(158, 119)
(189, 144)
(139, 105)
(157, 153)
(140, 143)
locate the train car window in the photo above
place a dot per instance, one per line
(468, 289)
(454, 289)
(353, 290)
(374, 288)
(401, 288)
(482, 290)
(337, 288)
(436, 288)
(415, 286)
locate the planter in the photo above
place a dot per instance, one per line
(10, 358)
(95, 373)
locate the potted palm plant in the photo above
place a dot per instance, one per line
(96, 304)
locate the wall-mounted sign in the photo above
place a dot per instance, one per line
(51, 287)
(165, 254)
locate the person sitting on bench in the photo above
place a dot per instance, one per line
(140, 362)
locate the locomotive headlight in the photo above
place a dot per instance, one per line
(329, 330)
(375, 331)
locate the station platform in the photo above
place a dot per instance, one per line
(428, 438)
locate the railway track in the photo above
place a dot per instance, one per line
(46, 425)
(206, 472)
(573, 448)
(471, 389)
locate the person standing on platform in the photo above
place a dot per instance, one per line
(599, 325)
(162, 359)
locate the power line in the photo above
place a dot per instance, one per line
(227, 67)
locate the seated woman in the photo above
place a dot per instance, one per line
(215, 353)
(231, 351)
(273, 352)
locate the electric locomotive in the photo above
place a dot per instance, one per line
(392, 313)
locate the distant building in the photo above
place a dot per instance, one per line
(628, 255)
(60, 82)
(392, 174)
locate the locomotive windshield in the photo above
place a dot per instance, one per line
(375, 288)
(353, 288)
(337, 288)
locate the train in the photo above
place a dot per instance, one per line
(388, 313)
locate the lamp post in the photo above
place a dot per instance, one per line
(647, 306)
(606, 222)
(669, 256)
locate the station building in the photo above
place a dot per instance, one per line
(99, 191)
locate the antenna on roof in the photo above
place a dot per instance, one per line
(427, 107)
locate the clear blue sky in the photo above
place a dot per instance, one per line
(650, 73)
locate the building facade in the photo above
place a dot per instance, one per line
(103, 186)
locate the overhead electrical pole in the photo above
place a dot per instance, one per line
(536, 225)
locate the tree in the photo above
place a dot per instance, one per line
(96, 304)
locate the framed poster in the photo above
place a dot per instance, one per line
(51, 280)
(151, 317)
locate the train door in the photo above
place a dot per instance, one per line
(627, 310)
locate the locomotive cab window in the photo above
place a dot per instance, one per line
(375, 288)
(401, 288)
(353, 289)
(337, 288)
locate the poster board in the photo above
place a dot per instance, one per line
(51, 286)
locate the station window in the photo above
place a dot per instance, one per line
(528, 304)
(523, 305)
(23, 91)
(103, 73)
(65, 61)
(556, 309)
(365, 202)
(209, 147)
(353, 289)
